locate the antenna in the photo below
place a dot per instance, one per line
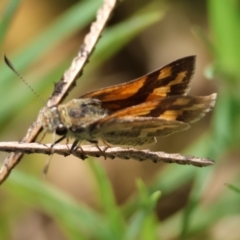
(10, 65)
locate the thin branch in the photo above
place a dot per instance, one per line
(66, 83)
(109, 153)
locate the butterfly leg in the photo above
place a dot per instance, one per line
(46, 166)
(59, 140)
(100, 150)
(106, 143)
(75, 146)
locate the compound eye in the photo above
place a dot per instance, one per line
(61, 131)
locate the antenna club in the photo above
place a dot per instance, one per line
(10, 65)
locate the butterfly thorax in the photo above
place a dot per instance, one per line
(73, 118)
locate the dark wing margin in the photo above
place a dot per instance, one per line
(170, 80)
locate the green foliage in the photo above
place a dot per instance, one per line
(224, 20)
(77, 220)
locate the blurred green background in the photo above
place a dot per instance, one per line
(115, 199)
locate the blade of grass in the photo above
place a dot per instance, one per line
(118, 36)
(224, 20)
(233, 188)
(74, 218)
(204, 217)
(7, 18)
(142, 224)
(107, 200)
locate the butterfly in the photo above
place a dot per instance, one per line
(133, 113)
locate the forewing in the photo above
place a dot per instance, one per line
(171, 80)
(176, 108)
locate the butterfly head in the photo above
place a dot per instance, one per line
(50, 120)
(75, 115)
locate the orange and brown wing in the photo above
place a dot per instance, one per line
(171, 80)
(176, 108)
(161, 117)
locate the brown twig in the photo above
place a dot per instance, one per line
(109, 153)
(66, 83)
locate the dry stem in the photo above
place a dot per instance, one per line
(109, 153)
